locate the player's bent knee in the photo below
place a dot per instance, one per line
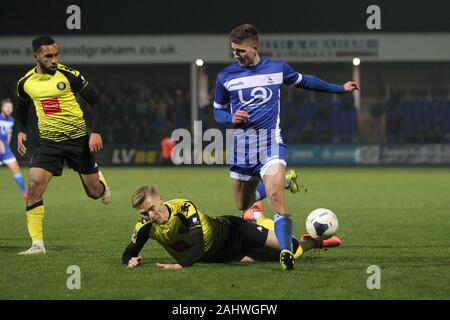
(35, 186)
(35, 190)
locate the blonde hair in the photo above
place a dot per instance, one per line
(141, 194)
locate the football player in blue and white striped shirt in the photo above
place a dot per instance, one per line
(250, 86)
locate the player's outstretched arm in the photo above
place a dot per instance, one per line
(350, 86)
(313, 83)
(131, 256)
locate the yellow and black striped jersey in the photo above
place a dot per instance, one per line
(59, 114)
(173, 234)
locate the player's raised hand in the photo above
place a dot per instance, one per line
(135, 262)
(95, 142)
(240, 117)
(21, 138)
(173, 266)
(349, 86)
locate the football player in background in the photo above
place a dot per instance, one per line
(6, 155)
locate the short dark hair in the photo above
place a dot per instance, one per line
(3, 101)
(42, 41)
(244, 33)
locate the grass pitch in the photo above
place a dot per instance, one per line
(395, 218)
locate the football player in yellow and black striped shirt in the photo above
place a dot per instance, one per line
(190, 236)
(52, 88)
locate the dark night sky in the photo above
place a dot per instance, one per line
(199, 16)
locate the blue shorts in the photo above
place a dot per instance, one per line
(8, 156)
(255, 171)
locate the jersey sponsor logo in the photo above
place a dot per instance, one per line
(240, 83)
(258, 97)
(254, 81)
(180, 246)
(51, 106)
(61, 85)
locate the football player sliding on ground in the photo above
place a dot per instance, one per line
(190, 236)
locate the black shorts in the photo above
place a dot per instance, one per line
(50, 155)
(242, 238)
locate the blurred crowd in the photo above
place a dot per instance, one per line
(417, 121)
(143, 114)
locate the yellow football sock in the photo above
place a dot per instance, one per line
(307, 245)
(266, 223)
(300, 250)
(35, 221)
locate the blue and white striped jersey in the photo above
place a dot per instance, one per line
(256, 90)
(6, 127)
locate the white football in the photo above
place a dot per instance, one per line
(322, 223)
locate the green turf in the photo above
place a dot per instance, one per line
(396, 218)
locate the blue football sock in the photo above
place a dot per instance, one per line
(19, 180)
(260, 191)
(283, 231)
